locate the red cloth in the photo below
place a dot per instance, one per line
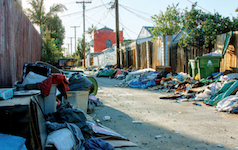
(118, 73)
(55, 78)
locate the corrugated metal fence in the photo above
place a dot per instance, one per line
(19, 42)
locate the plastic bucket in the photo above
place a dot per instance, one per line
(79, 99)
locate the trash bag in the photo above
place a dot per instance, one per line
(105, 73)
(80, 83)
(70, 115)
(162, 74)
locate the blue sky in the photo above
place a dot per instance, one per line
(133, 14)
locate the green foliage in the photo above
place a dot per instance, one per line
(194, 24)
(197, 23)
(168, 22)
(54, 24)
(38, 15)
(50, 52)
(79, 51)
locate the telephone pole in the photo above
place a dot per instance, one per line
(84, 28)
(117, 34)
(71, 44)
(68, 49)
(75, 35)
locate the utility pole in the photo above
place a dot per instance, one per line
(84, 28)
(71, 44)
(68, 48)
(117, 34)
(75, 35)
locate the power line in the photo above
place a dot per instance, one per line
(81, 11)
(146, 19)
(136, 10)
(97, 12)
(108, 8)
(198, 6)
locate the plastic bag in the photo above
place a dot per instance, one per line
(81, 83)
(62, 139)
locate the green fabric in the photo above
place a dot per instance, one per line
(222, 90)
(226, 91)
(105, 73)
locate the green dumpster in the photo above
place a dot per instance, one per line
(206, 65)
(192, 67)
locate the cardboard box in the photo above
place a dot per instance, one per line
(6, 93)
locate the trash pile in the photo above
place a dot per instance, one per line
(49, 110)
(217, 90)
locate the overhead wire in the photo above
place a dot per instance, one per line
(81, 11)
(199, 6)
(146, 19)
(125, 28)
(136, 10)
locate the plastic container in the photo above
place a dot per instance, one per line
(207, 65)
(79, 99)
(6, 93)
(192, 67)
(50, 100)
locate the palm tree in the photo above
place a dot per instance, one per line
(38, 15)
(91, 29)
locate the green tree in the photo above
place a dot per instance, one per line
(79, 51)
(167, 22)
(50, 52)
(54, 24)
(39, 16)
(197, 23)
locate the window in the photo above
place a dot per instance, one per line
(108, 43)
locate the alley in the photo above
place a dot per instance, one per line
(164, 124)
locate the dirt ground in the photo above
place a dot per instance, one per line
(165, 124)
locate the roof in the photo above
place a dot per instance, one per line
(149, 28)
(146, 32)
(105, 28)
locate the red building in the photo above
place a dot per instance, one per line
(103, 38)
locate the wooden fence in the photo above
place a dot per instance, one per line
(179, 57)
(19, 42)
